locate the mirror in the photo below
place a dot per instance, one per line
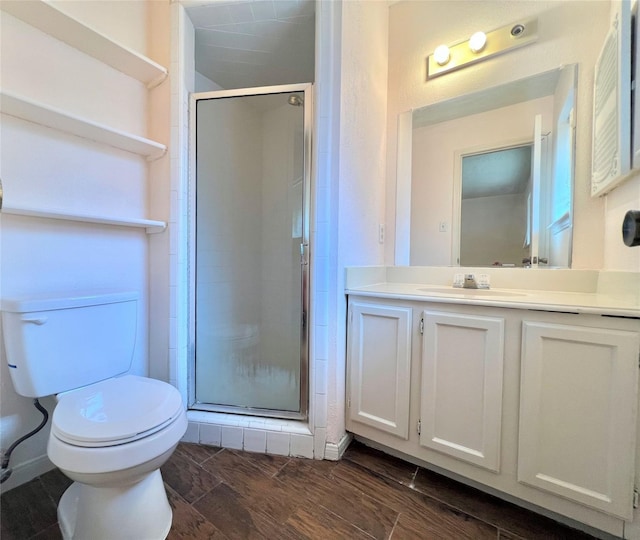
(490, 179)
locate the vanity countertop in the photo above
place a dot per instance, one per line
(574, 302)
(591, 293)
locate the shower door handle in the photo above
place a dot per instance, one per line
(304, 254)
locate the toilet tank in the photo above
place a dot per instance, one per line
(59, 343)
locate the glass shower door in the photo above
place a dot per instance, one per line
(251, 255)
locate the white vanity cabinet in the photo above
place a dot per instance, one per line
(537, 405)
(461, 387)
(380, 366)
(578, 412)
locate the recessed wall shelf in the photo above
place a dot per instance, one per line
(151, 226)
(55, 22)
(52, 117)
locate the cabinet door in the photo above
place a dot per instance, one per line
(380, 366)
(578, 414)
(461, 402)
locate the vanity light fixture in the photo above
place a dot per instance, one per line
(477, 42)
(481, 46)
(441, 55)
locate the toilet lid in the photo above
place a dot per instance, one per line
(115, 411)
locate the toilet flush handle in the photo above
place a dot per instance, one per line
(35, 320)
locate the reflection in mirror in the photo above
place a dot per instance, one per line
(492, 177)
(496, 188)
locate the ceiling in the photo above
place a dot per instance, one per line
(503, 172)
(248, 43)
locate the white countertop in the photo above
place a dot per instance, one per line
(575, 302)
(620, 304)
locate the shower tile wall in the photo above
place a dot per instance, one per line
(280, 245)
(249, 230)
(182, 75)
(228, 265)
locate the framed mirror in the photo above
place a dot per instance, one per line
(486, 179)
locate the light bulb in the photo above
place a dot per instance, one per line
(477, 41)
(441, 55)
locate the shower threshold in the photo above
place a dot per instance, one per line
(248, 411)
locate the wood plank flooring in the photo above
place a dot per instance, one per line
(226, 494)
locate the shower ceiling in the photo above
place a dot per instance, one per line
(254, 43)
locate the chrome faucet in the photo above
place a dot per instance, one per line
(470, 282)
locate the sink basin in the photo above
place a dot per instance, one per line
(470, 292)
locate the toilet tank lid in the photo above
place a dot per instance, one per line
(51, 301)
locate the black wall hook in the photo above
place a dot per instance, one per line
(631, 228)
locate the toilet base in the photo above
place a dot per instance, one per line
(137, 511)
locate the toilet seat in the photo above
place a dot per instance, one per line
(115, 411)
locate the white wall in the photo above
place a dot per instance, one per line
(204, 84)
(363, 107)
(161, 246)
(125, 21)
(625, 197)
(45, 168)
(569, 32)
(324, 346)
(360, 185)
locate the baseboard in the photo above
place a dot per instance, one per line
(25, 472)
(333, 451)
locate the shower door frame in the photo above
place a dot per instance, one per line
(305, 257)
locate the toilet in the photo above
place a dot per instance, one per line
(110, 431)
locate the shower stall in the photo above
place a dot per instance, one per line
(249, 262)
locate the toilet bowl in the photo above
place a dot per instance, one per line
(110, 431)
(111, 438)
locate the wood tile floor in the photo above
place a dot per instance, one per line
(225, 494)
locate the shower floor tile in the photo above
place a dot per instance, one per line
(228, 494)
